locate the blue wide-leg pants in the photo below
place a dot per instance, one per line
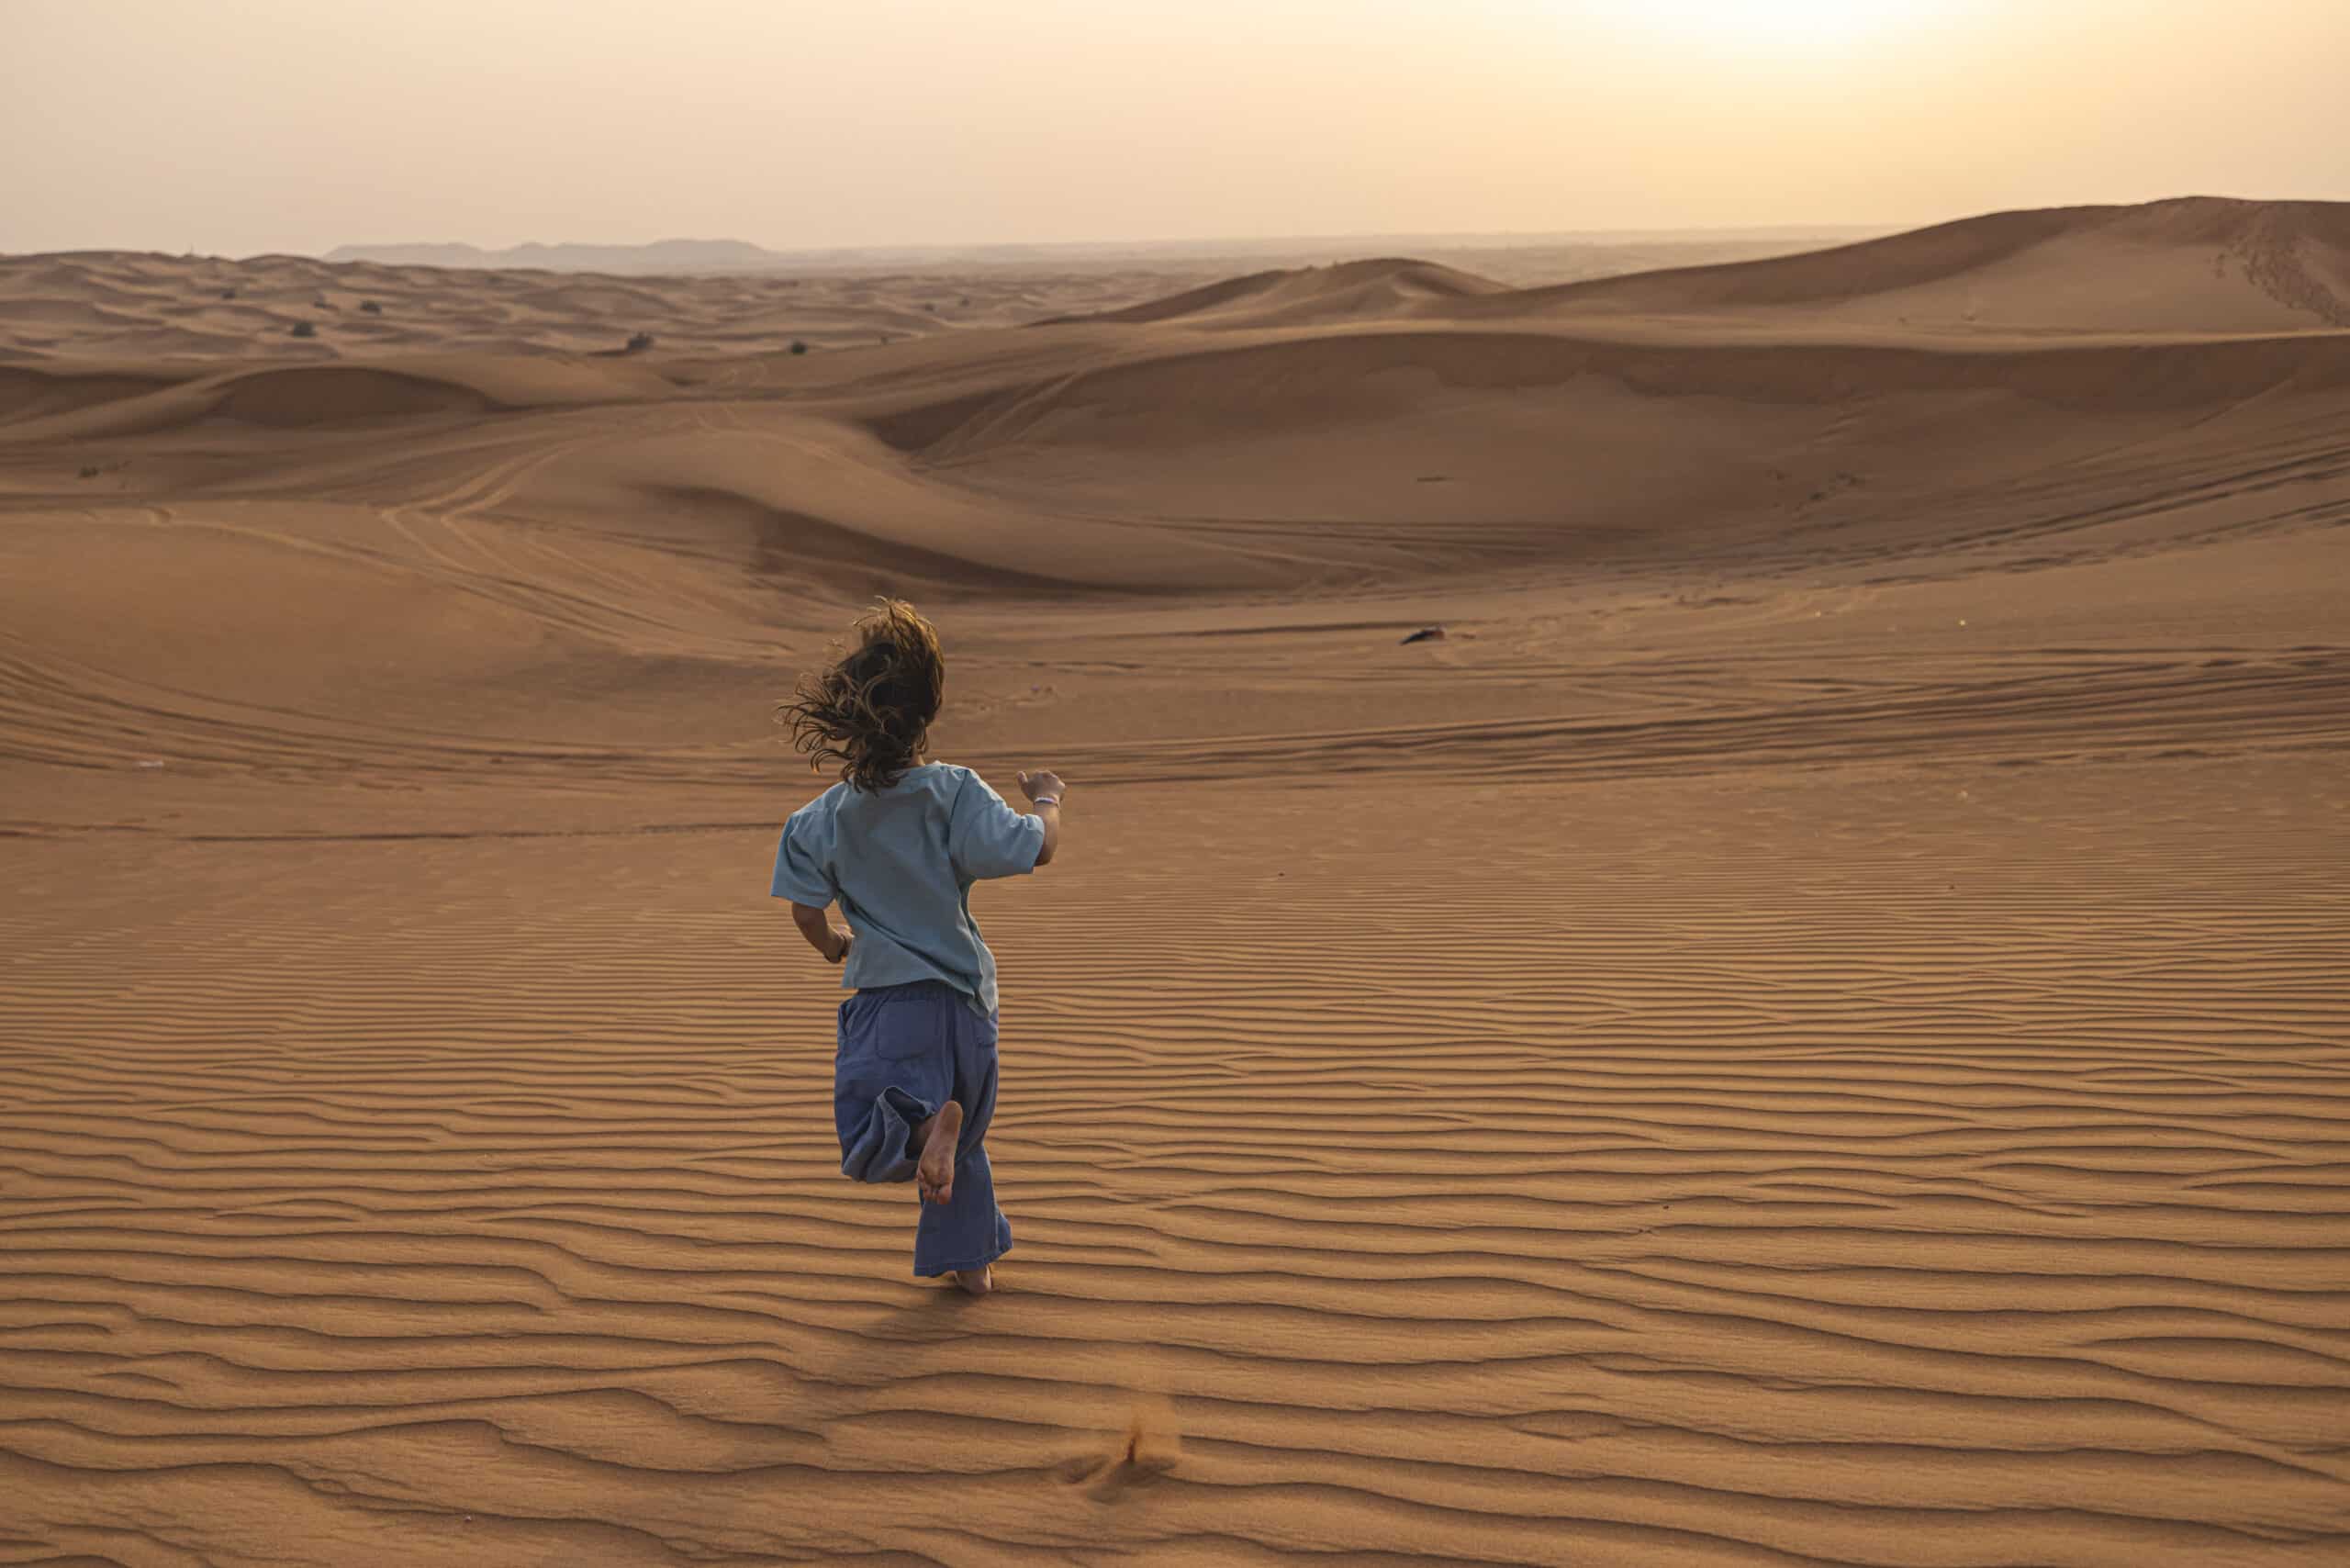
(904, 1051)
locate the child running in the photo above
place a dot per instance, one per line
(897, 844)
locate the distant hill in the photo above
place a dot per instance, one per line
(661, 256)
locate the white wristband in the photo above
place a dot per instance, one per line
(1045, 800)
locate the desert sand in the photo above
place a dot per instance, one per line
(1812, 1026)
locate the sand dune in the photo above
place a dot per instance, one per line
(94, 407)
(1347, 291)
(1812, 1026)
(2198, 265)
(105, 305)
(112, 304)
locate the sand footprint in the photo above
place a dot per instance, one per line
(1148, 1449)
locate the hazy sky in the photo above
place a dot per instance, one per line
(298, 125)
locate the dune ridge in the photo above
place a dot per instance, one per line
(2197, 265)
(1343, 291)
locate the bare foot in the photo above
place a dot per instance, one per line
(975, 1281)
(934, 1173)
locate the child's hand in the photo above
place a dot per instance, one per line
(1044, 781)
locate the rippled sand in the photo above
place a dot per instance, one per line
(1812, 1026)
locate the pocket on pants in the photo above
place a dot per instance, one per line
(907, 1027)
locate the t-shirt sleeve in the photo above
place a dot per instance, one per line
(985, 837)
(802, 872)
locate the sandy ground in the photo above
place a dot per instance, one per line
(102, 304)
(1812, 1027)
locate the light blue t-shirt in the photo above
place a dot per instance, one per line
(901, 863)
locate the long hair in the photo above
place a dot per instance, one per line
(870, 710)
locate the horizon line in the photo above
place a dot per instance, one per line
(1496, 236)
(1206, 243)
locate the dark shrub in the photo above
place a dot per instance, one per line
(798, 347)
(371, 308)
(304, 329)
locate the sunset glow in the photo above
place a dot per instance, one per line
(1823, 26)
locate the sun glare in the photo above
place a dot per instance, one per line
(1791, 25)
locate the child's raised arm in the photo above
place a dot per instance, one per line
(1044, 788)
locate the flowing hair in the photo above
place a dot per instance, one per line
(870, 710)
